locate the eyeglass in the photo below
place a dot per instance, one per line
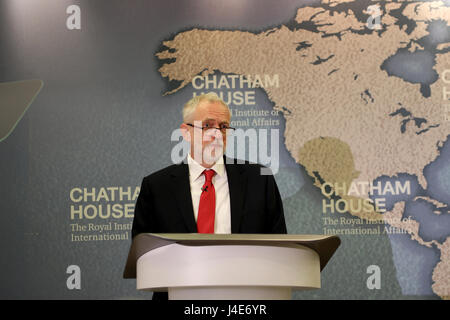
(223, 127)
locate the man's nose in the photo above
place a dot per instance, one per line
(218, 134)
(214, 133)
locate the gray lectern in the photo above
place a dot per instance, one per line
(232, 266)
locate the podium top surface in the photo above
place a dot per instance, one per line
(325, 246)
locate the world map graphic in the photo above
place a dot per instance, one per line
(363, 87)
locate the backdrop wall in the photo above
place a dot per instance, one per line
(346, 101)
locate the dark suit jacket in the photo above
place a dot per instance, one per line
(164, 204)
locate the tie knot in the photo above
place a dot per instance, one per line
(209, 174)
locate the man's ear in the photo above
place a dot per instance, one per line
(185, 132)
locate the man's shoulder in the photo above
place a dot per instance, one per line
(164, 172)
(242, 163)
(248, 166)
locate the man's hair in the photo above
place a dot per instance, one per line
(192, 104)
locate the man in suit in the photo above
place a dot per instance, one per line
(211, 193)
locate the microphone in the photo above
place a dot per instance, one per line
(205, 189)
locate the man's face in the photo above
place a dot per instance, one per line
(208, 145)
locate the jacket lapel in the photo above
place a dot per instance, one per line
(237, 184)
(182, 191)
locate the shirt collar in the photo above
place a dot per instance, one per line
(196, 169)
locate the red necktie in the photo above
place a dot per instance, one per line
(207, 206)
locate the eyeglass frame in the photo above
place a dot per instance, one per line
(206, 128)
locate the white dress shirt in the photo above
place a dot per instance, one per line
(222, 221)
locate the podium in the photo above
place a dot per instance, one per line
(228, 266)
